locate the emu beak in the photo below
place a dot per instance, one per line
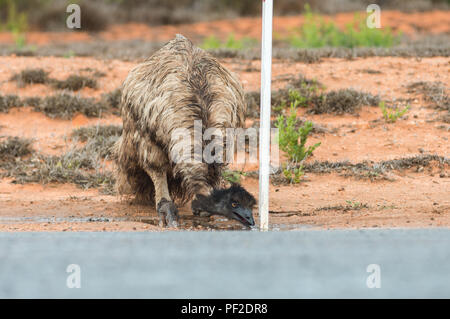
(244, 215)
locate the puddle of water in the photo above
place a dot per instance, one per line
(289, 227)
(186, 222)
(11, 220)
(198, 223)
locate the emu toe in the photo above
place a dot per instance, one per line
(168, 213)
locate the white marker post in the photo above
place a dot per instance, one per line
(264, 132)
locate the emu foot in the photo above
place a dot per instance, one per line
(168, 213)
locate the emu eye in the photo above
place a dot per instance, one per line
(234, 204)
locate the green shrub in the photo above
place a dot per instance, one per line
(292, 137)
(292, 140)
(233, 177)
(391, 115)
(294, 175)
(316, 33)
(212, 42)
(16, 22)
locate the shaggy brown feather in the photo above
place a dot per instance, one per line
(179, 84)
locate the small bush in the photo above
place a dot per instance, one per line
(81, 166)
(293, 174)
(75, 83)
(342, 101)
(112, 99)
(31, 101)
(292, 140)
(233, 177)
(65, 106)
(391, 115)
(62, 105)
(88, 132)
(14, 147)
(60, 169)
(8, 101)
(434, 92)
(31, 76)
(100, 139)
(376, 170)
(301, 88)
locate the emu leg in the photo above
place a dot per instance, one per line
(165, 207)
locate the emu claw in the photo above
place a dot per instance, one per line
(168, 213)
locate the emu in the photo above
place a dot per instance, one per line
(176, 86)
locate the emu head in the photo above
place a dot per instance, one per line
(233, 203)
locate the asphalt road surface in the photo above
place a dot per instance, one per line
(290, 264)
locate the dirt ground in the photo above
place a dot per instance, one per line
(416, 197)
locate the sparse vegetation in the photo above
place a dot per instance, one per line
(342, 101)
(100, 138)
(301, 89)
(66, 105)
(292, 140)
(350, 205)
(31, 76)
(75, 82)
(8, 101)
(293, 174)
(212, 42)
(14, 147)
(85, 133)
(316, 33)
(356, 176)
(233, 177)
(390, 114)
(16, 23)
(138, 49)
(309, 93)
(112, 99)
(367, 169)
(375, 170)
(81, 166)
(31, 101)
(59, 169)
(434, 92)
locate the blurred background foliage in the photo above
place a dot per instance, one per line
(18, 15)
